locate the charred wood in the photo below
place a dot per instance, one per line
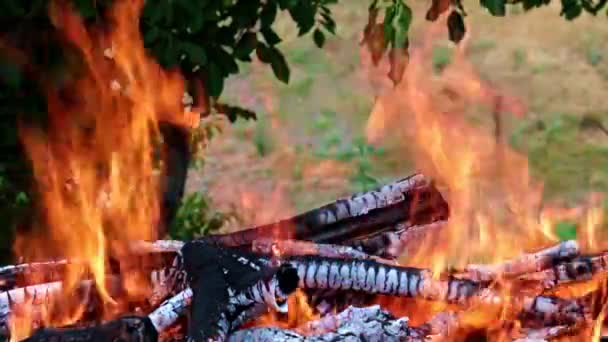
(525, 264)
(413, 199)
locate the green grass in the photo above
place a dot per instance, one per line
(559, 154)
(539, 57)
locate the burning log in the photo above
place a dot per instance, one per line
(413, 199)
(580, 269)
(527, 263)
(303, 248)
(227, 283)
(392, 243)
(353, 324)
(371, 277)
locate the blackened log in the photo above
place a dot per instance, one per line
(227, 282)
(414, 200)
(125, 329)
(580, 269)
(391, 244)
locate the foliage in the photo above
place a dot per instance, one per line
(196, 217)
(565, 230)
(558, 150)
(356, 151)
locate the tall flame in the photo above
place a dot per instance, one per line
(93, 163)
(495, 205)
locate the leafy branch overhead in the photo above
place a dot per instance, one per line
(206, 38)
(389, 22)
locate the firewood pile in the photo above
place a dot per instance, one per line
(346, 257)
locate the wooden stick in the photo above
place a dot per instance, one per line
(580, 269)
(371, 277)
(524, 264)
(285, 248)
(410, 199)
(391, 244)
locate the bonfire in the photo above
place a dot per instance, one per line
(426, 257)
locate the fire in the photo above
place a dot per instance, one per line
(496, 209)
(94, 165)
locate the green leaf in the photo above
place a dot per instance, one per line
(268, 14)
(403, 22)
(389, 30)
(319, 38)
(495, 7)
(245, 45)
(10, 75)
(263, 53)
(456, 28)
(279, 65)
(196, 53)
(571, 9)
(329, 23)
(270, 36)
(86, 8)
(565, 230)
(215, 80)
(151, 35)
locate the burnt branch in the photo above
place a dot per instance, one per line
(413, 199)
(524, 264)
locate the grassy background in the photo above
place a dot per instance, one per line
(307, 146)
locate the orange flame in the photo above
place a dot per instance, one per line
(94, 165)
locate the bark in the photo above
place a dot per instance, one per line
(11, 275)
(366, 276)
(582, 268)
(524, 264)
(284, 248)
(393, 243)
(412, 199)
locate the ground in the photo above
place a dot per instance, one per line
(307, 146)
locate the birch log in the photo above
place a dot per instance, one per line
(412, 199)
(524, 264)
(371, 277)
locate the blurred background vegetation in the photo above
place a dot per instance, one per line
(296, 65)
